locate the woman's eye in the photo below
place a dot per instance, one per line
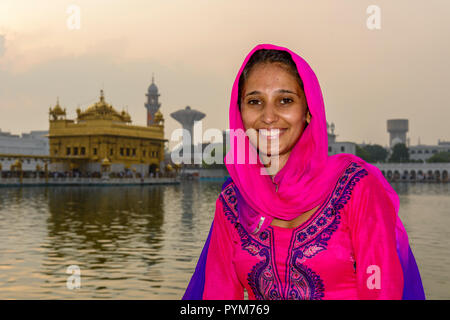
(286, 100)
(253, 101)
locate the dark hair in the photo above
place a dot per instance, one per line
(268, 56)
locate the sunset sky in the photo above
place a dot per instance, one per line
(195, 49)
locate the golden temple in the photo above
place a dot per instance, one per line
(102, 139)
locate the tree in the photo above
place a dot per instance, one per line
(372, 153)
(377, 153)
(440, 157)
(400, 153)
(363, 154)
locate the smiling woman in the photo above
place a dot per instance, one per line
(317, 226)
(272, 103)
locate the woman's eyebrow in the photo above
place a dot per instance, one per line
(253, 92)
(288, 91)
(279, 90)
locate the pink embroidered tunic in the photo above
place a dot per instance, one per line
(345, 250)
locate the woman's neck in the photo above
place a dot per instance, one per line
(275, 164)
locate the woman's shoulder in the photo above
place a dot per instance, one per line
(226, 213)
(366, 190)
(227, 182)
(354, 174)
(230, 192)
(366, 176)
(359, 173)
(228, 198)
(360, 183)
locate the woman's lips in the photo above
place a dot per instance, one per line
(271, 134)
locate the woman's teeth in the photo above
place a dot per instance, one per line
(270, 133)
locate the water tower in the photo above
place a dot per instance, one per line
(397, 129)
(187, 117)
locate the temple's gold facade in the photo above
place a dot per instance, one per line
(103, 139)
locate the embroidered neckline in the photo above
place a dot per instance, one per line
(324, 215)
(304, 223)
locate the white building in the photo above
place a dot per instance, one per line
(424, 152)
(335, 147)
(33, 143)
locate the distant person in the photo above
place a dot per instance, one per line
(297, 223)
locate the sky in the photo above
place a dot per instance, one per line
(195, 49)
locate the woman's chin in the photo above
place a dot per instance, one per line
(268, 152)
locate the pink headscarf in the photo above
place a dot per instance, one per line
(308, 176)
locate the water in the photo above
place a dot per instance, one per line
(425, 212)
(143, 242)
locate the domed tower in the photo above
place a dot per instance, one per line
(152, 104)
(158, 118)
(57, 113)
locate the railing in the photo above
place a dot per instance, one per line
(86, 181)
(415, 172)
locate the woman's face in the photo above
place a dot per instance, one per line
(274, 105)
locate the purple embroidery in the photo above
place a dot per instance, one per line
(262, 278)
(304, 284)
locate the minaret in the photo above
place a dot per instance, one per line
(152, 104)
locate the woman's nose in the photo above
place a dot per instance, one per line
(269, 113)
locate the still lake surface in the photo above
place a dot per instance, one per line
(142, 242)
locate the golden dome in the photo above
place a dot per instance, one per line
(74, 165)
(126, 116)
(18, 163)
(57, 110)
(106, 162)
(104, 111)
(158, 117)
